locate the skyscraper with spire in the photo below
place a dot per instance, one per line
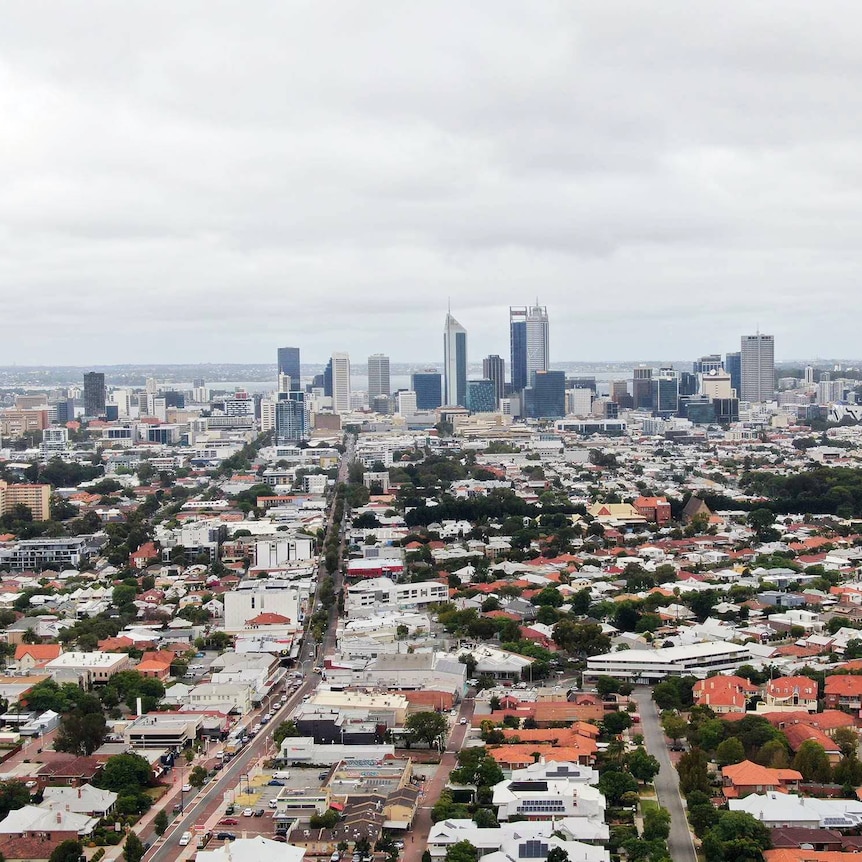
(454, 362)
(529, 334)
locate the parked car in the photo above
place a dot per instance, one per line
(247, 812)
(230, 809)
(228, 821)
(225, 836)
(187, 788)
(280, 838)
(259, 812)
(274, 782)
(272, 803)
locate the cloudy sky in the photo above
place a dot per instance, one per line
(203, 181)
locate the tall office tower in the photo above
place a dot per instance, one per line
(758, 368)
(378, 376)
(529, 343)
(405, 402)
(546, 398)
(619, 390)
(290, 424)
(809, 375)
(481, 396)
(665, 392)
(733, 366)
(454, 363)
(427, 385)
(642, 388)
(381, 404)
(494, 369)
(340, 382)
(327, 380)
(705, 364)
(518, 347)
(94, 393)
(688, 383)
(288, 363)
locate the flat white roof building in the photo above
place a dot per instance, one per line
(650, 665)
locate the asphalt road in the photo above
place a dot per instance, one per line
(201, 805)
(666, 782)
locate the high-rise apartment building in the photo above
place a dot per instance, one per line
(290, 424)
(94, 394)
(427, 385)
(288, 363)
(405, 402)
(665, 392)
(454, 363)
(494, 369)
(378, 376)
(757, 368)
(340, 382)
(529, 343)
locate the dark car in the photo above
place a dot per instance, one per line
(225, 836)
(230, 809)
(259, 812)
(275, 783)
(280, 838)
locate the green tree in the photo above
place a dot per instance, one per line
(462, 851)
(13, 795)
(729, 752)
(736, 837)
(557, 854)
(81, 733)
(812, 761)
(616, 722)
(124, 771)
(67, 851)
(427, 727)
(581, 639)
(160, 822)
(674, 726)
(606, 685)
(198, 776)
(847, 740)
(615, 784)
(693, 774)
(642, 765)
(133, 850)
(656, 824)
(484, 818)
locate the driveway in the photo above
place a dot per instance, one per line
(666, 782)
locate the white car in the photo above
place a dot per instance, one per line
(187, 788)
(247, 812)
(463, 721)
(185, 838)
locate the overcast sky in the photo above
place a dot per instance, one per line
(206, 181)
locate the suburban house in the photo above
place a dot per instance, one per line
(790, 692)
(844, 692)
(31, 656)
(744, 778)
(724, 694)
(547, 800)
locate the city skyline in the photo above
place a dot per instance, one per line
(650, 177)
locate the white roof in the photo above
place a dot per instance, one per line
(33, 818)
(80, 800)
(671, 655)
(252, 850)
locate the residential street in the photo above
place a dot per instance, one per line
(666, 782)
(416, 839)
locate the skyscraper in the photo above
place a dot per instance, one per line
(340, 382)
(427, 385)
(529, 343)
(757, 367)
(546, 398)
(378, 376)
(733, 366)
(94, 394)
(642, 388)
(288, 363)
(290, 425)
(705, 364)
(481, 396)
(454, 363)
(494, 369)
(518, 347)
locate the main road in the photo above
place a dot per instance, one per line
(211, 797)
(679, 841)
